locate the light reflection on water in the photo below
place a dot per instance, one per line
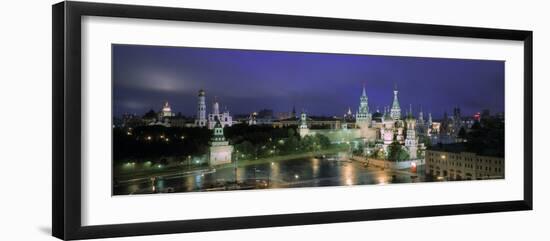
(306, 172)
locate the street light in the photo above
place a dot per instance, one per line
(235, 169)
(296, 177)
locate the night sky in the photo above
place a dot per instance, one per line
(244, 81)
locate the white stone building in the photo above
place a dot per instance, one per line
(220, 150)
(224, 118)
(303, 129)
(209, 120)
(201, 110)
(411, 141)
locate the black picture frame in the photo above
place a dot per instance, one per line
(66, 75)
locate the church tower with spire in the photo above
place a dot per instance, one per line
(421, 117)
(395, 111)
(429, 125)
(420, 123)
(410, 141)
(363, 116)
(303, 130)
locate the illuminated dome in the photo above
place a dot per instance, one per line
(202, 93)
(166, 107)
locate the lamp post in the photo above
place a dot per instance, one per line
(269, 174)
(236, 159)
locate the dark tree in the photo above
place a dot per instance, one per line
(150, 114)
(462, 133)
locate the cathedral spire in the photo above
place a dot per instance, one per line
(395, 108)
(421, 115)
(363, 115)
(411, 114)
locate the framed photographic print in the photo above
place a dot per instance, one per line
(170, 120)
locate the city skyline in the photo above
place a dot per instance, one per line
(146, 76)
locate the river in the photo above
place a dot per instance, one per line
(305, 172)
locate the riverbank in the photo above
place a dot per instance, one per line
(186, 170)
(245, 163)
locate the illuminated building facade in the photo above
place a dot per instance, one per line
(303, 129)
(224, 118)
(363, 116)
(411, 142)
(220, 150)
(201, 109)
(459, 165)
(210, 120)
(166, 111)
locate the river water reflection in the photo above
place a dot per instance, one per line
(306, 172)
